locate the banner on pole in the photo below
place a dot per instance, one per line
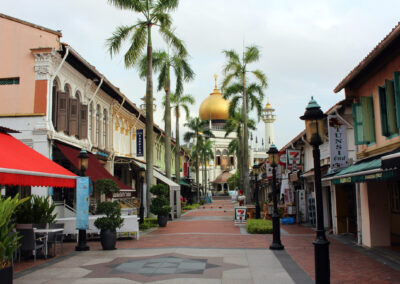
(82, 203)
(139, 143)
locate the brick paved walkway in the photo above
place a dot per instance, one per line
(211, 227)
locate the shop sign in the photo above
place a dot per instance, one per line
(139, 143)
(293, 158)
(122, 194)
(282, 158)
(185, 169)
(240, 215)
(337, 141)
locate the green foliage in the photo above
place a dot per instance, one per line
(8, 238)
(106, 186)
(202, 202)
(37, 209)
(259, 226)
(190, 206)
(160, 203)
(148, 223)
(113, 219)
(233, 181)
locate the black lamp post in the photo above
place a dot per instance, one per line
(315, 121)
(83, 161)
(254, 178)
(276, 230)
(141, 209)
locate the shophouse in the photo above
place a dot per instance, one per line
(373, 86)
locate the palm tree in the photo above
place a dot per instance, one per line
(198, 129)
(235, 124)
(206, 154)
(179, 102)
(236, 68)
(162, 63)
(155, 13)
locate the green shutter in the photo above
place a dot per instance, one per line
(368, 119)
(383, 109)
(358, 124)
(391, 107)
(397, 95)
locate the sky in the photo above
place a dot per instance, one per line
(307, 47)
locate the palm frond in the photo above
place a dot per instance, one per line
(114, 42)
(227, 80)
(234, 105)
(252, 54)
(137, 6)
(163, 77)
(166, 5)
(139, 39)
(261, 77)
(233, 89)
(173, 40)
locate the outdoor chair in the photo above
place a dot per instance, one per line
(57, 237)
(29, 242)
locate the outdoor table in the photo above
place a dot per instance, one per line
(46, 232)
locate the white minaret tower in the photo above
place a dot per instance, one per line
(269, 117)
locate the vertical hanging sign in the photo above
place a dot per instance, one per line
(139, 143)
(185, 169)
(337, 142)
(82, 203)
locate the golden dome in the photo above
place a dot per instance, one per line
(215, 107)
(268, 105)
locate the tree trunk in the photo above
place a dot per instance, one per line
(240, 161)
(245, 145)
(149, 119)
(177, 149)
(167, 156)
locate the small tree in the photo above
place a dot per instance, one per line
(106, 186)
(113, 219)
(233, 181)
(160, 203)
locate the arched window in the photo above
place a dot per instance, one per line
(98, 137)
(224, 158)
(90, 121)
(105, 130)
(218, 157)
(55, 91)
(67, 89)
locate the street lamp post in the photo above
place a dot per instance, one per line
(254, 177)
(315, 120)
(141, 208)
(83, 161)
(276, 230)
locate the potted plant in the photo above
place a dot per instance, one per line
(37, 210)
(108, 225)
(106, 186)
(8, 238)
(160, 203)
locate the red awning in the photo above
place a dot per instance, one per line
(222, 178)
(21, 165)
(95, 170)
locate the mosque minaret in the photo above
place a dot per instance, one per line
(269, 118)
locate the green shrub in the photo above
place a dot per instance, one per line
(106, 186)
(148, 223)
(160, 203)
(190, 206)
(8, 238)
(113, 219)
(259, 226)
(37, 209)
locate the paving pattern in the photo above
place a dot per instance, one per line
(204, 246)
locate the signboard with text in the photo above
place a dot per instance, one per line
(82, 203)
(139, 143)
(337, 142)
(240, 215)
(293, 159)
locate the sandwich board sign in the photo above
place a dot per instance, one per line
(240, 215)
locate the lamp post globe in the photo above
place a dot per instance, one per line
(83, 161)
(276, 230)
(315, 131)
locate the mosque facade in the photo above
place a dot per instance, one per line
(215, 174)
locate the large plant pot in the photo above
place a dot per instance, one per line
(6, 275)
(162, 220)
(108, 239)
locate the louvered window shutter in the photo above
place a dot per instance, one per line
(358, 124)
(391, 107)
(397, 95)
(83, 124)
(62, 107)
(73, 117)
(54, 108)
(368, 119)
(383, 111)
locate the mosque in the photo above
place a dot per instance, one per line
(216, 173)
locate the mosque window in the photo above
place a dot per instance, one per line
(218, 158)
(232, 161)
